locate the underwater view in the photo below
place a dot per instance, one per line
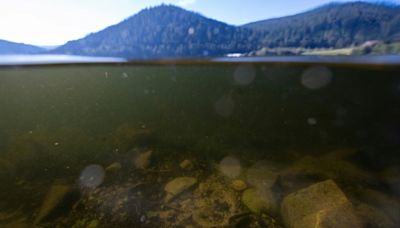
(200, 144)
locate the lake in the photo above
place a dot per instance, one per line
(265, 142)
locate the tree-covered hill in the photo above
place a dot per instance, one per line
(170, 31)
(164, 31)
(335, 25)
(7, 47)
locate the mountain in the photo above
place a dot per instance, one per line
(164, 31)
(168, 31)
(7, 47)
(335, 25)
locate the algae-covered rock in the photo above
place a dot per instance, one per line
(142, 160)
(214, 203)
(259, 200)
(59, 196)
(318, 206)
(238, 185)
(263, 174)
(177, 186)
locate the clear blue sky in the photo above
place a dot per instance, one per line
(54, 22)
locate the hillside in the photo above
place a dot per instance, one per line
(335, 25)
(164, 31)
(7, 47)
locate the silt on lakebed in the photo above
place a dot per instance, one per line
(202, 144)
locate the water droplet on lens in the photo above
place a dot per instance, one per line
(230, 167)
(316, 77)
(312, 121)
(92, 176)
(191, 31)
(244, 74)
(224, 106)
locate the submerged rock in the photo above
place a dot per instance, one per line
(215, 204)
(60, 196)
(142, 160)
(263, 174)
(318, 206)
(211, 204)
(177, 186)
(259, 200)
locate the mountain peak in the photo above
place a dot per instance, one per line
(164, 31)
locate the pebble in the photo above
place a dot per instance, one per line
(238, 185)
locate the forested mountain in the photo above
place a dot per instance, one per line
(334, 25)
(7, 47)
(170, 31)
(164, 31)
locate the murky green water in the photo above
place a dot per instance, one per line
(206, 145)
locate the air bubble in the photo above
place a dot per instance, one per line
(312, 121)
(92, 176)
(244, 74)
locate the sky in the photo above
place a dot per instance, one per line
(54, 22)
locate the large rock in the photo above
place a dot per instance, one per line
(177, 186)
(60, 196)
(263, 174)
(320, 205)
